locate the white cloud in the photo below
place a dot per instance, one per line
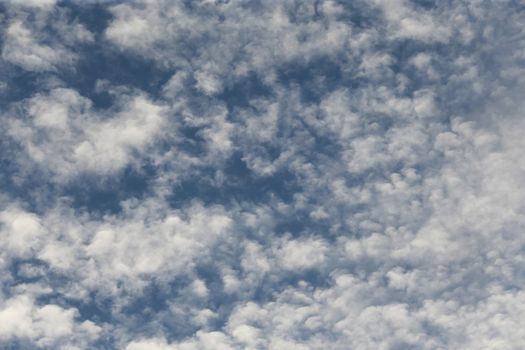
(33, 3)
(22, 49)
(48, 325)
(149, 344)
(301, 254)
(231, 47)
(62, 134)
(398, 178)
(23, 232)
(28, 45)
(406, 22)
(202, 340)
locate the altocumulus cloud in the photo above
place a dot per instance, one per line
(181, 175)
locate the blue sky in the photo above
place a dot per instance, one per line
(179, 175)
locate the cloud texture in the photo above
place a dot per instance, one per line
(262, 175)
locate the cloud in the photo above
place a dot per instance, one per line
(21, 48)
(407, 22)
(48, 325)
(224, 32)
(306, 175)
(27, 45)
(296, 255)
(62, 133)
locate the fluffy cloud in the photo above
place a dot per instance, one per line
(30, 47)
(167, 34)
(47, 325)
(61, 132)
(317, 175)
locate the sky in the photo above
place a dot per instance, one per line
(278, 174)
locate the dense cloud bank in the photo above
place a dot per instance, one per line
(181, 175)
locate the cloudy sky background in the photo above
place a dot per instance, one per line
(179, 175)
